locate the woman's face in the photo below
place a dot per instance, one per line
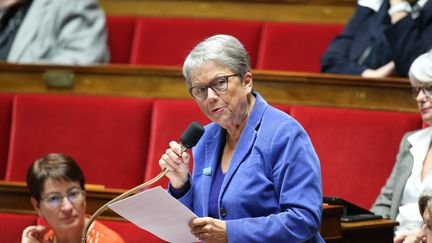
(229, 109)
(66, 215)
(424, 101)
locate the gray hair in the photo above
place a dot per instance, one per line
(224, 49)
(421, 69)
(425, 202)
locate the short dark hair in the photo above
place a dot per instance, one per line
(53, 166)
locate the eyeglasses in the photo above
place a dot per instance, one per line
(427, 91)
(75, 196)
(218, 85)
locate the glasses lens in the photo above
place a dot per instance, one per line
(220, 84)
(199, 92)
(75, 196)
(53, 200)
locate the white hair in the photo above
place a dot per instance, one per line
(421, 69)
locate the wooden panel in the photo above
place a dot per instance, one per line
(316, 11)
(167, 82)
(14, 198)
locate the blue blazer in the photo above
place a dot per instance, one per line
(272, 190)
(367, 30)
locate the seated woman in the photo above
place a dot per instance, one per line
(412, 173)
(56, 185)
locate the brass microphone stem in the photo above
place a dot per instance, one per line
(121, 196)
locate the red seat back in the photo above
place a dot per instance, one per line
(357, 148)
(5, 124)
(167, 41)
(12, 225)
(294, 46)
(108, 136)
(170, 118)
(121, 31)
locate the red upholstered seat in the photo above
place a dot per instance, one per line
(357, 148)
(5, 123)
(130, 232)
(108, 136)
(121, 31)
(170, 118)
(294, 46)
(12, 225)
(167, 41)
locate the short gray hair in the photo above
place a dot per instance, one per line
(224, 49)
(425, 202)
(421, 69)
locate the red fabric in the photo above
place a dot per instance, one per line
(121, 30)
(357, 148)
(167, 41)
(12, 225)
(294, 46)
(5, 123)
(170, 118)
(130, 232)
(108, 136)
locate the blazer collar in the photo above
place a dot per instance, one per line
(214, 147)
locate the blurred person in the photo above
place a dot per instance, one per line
(256, 176)
(382, 39)
(56, 185)
(411, 174)
(53, 32)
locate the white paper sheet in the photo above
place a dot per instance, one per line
(158, 212)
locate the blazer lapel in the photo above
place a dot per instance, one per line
(212, 152)
(246, 141)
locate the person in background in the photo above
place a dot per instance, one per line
(56, 186)
(425, 208)
(382, 39)
(256, 176)
(412, 172)
(53, 32)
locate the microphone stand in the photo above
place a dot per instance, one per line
(119, 197)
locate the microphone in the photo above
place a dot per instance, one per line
(188, 139)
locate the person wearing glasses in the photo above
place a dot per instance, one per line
(412, 172)
(56, 185)
(256, 176)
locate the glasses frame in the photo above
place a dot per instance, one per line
(62, 196)
(415, 91)
(211, 86)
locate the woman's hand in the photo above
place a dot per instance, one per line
(209, 229)
(386, 70)
(177, 162)
(33, 234)
(413, 236)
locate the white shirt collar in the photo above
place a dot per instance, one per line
(372, 4)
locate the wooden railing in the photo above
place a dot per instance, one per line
(315, 11)
(167, 82)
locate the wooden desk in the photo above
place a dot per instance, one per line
(14, 198)
(371, 231)
(167, 82)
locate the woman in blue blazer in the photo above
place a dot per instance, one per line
(256, 176)
(382, 39)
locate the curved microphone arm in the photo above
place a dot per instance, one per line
(119, 197)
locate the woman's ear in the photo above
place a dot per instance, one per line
(35, 204)
(248, 81)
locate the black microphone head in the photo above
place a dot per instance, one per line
(191, 135)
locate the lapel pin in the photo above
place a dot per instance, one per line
(207, 171)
